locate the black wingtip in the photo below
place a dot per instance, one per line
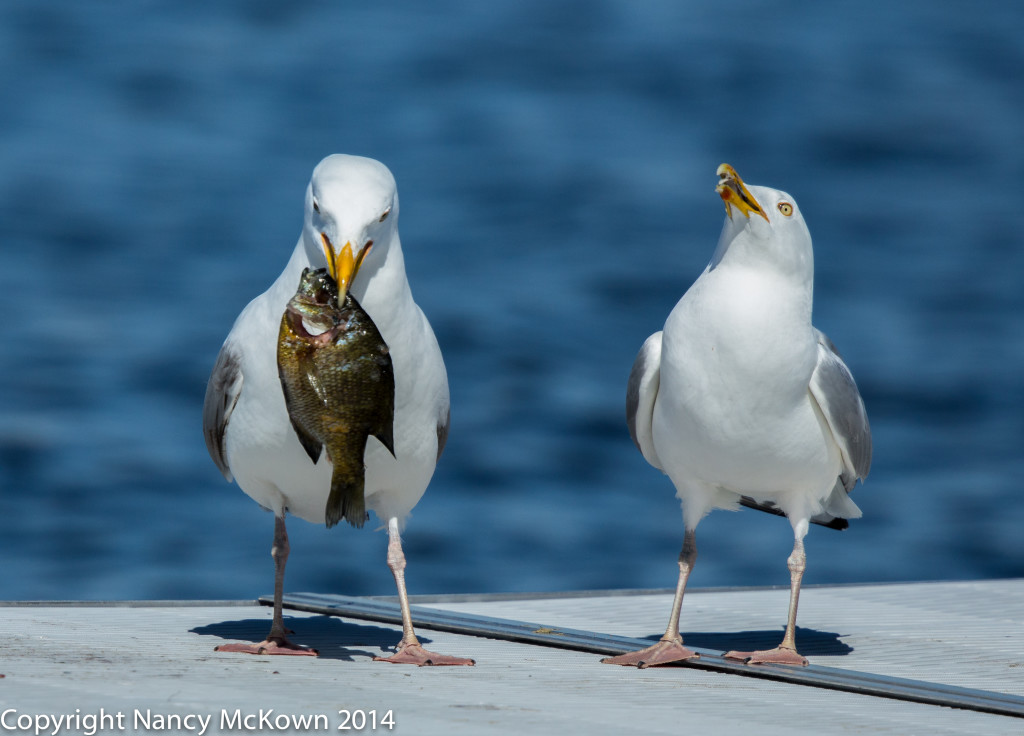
(830, 522)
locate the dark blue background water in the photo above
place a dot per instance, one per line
(556, 166)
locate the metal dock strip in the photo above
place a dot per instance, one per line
(832, 678)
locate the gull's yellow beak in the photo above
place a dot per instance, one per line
(734, 192)
(343, 265)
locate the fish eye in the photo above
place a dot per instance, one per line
(384, 216)
(786, 208)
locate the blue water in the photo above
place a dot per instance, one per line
(556, 166)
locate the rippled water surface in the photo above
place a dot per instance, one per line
(556, 166)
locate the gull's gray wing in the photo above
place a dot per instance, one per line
(834, 390)
(443, 422)
(221, 396)
(641, 392)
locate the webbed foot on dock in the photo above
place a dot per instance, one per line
(664, 652)
(778, 655)
(270, 645)
(414, 653)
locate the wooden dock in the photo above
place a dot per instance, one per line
(930, 658)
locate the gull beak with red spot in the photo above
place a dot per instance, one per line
(343, 265)
(734, 193)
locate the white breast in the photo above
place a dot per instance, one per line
(733, 409)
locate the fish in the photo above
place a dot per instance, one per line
(339, 386)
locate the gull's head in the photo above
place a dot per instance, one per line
(767, 218)
(351, 217)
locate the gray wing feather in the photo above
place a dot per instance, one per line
(825, 519)
(222, 393)
(442, 431)
(641, 393)
(833, 388)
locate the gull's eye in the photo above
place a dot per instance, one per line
(786, 208)
(316, 206)
(384, 216)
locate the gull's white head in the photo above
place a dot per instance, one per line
(762, 223)
(351, 217)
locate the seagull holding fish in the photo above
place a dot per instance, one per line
(258, 440)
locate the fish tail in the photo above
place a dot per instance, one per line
(347, 500)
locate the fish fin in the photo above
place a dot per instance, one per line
(309, 443)
(386, 435)
(318, 387)
(347, 500)
(386, 431)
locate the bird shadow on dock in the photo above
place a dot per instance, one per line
(810, 642)
(329, 635)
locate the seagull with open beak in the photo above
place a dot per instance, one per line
(352, 201)
(741, 401)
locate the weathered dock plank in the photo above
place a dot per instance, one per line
(116, 659)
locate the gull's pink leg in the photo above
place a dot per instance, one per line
(670, 648)
(786, 652)
(409, 649)
(277, 640)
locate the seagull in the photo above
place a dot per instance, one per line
(351, 205)
(741, 401)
